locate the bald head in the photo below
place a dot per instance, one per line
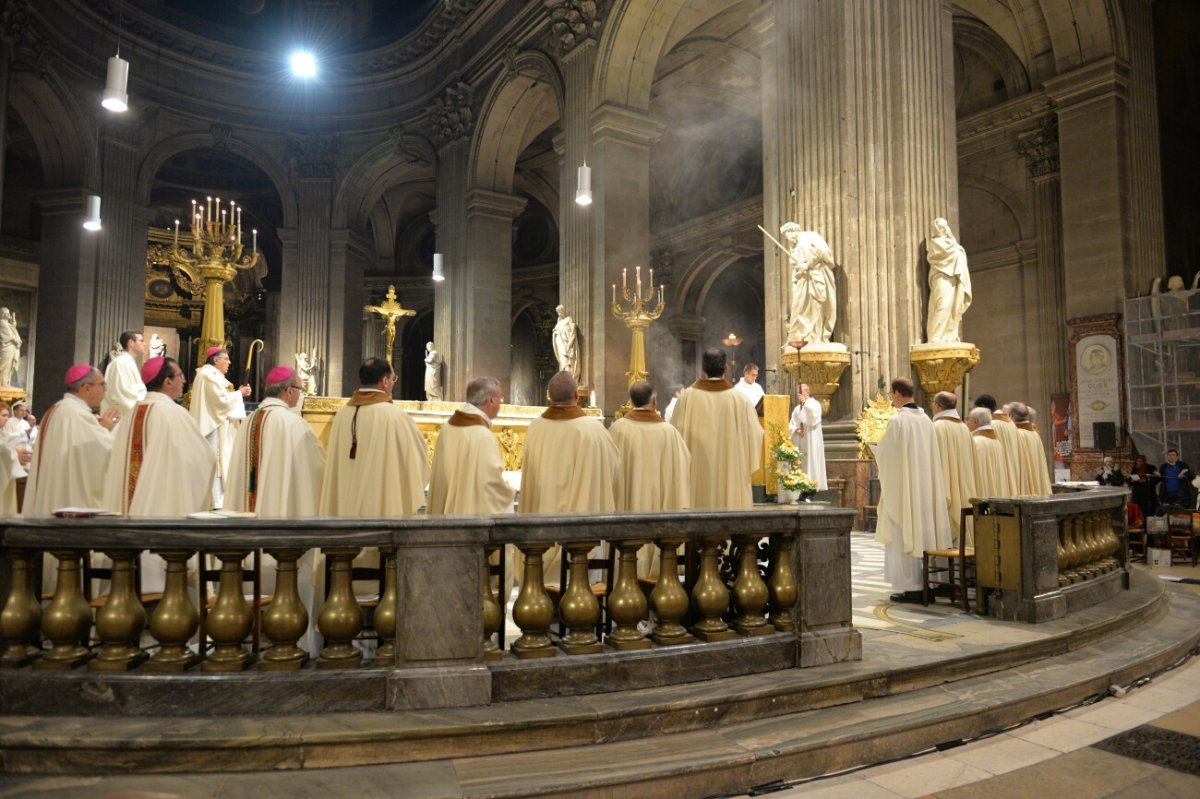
(641, 394)
(563, 389)
(945, 401)
(1019, 411)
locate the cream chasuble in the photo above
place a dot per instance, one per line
(468, 475)
(1006, 434)
(807, 417)
(69, 460)
(1036, 465)
(124, 382)
(912, 502)
(655, 472)
(991, 474)
(217, 407)
(571, 467)
(8, 484)
(958, 468)
(160, 467)
(722, 433)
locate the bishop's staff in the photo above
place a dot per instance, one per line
(250, 359)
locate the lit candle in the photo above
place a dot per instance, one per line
(176, 234)
(222, 221)
(208, 208)
(217, 215)
(614, 293)
(638, 275)
(652, 278)
(660, 293)
(624, 283)
(239, 224)
(254, 239)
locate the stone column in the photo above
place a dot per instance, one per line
(349, 252)
(121, 275)
(859, 145)
(484, 319)
(1049, 325)
(451, 295)
(1145, 164)
(67, 284)
(621, 140)
(6, 54)
(1097, 210)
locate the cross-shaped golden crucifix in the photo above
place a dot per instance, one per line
(391, 310)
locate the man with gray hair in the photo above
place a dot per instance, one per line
(467, 478)
(957, 463)
(991, 467)
(1035, 466)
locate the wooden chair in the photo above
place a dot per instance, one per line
(1179, 536)
(1137, 541)
(959, 561)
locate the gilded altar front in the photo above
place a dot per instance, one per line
(509, 427)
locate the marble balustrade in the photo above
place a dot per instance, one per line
(775, 580)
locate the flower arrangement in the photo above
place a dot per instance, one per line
(797, 480)
(783, 449)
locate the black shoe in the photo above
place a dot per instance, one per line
(908, 596)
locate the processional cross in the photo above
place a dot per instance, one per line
(391, 310)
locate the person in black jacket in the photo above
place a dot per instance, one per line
(1110, 475)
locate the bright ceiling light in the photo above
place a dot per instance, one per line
(303, 64)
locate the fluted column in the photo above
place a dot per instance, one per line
(449, 296)
(484, 319)
(859, 145)
(349, 252)
(121, 276)
(1145, 163)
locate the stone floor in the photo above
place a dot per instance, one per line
(1144, 744)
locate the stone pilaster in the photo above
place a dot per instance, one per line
(348, 255)
(621, 140)
(859, 145)
(1093, 146)
(67, 281)
(1145, 164)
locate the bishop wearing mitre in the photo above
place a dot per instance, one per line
(217, 406)
(957, 461)
(468, 474)
(571, 464)
(655, 465)
(722, 433)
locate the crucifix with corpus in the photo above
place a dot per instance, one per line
(391, 310)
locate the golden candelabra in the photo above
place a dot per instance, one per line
(637, 318)
(391, 310)
(217, 254)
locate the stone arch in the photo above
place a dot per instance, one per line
(978, 37)
(63, 136)
(726, 261)
(1008, 199)
(402, 158)
(521, 103)
(196, 140)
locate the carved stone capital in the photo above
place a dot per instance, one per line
(313, 155)
(820, 366)
(573, 22)
(221, 134)
(451, 115)
(941, 367)
(1040, 149)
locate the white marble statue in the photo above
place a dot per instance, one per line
(158, 347)
(949, 285)
(10, 348)
(813, 310)
(433, 373)
(566, 343)
(306, 368)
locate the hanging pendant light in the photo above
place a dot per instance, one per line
(583, 192)
(91, 221)
(438, 274)
(116, 97)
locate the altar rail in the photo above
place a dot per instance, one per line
(436, 618)
(1040, 559)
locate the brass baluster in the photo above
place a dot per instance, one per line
(627, 604)
(1063, 556)
(783, 588)
(710, 597)
(286, 619)
(120, 621)
(749, 590)
(67, 620)
(1074, 550)
(533, 611)
(230, 619)
(174, 619)
(578, 608)
(341, 618)
(669, 599)
(21, 615)
(491, 608)
(1089, 566)
(385, 611)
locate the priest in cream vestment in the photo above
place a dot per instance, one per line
(1006, 433)
(957, 462)
(217, 407)
(123, 378)
(160, 465)
(1035, 465)
(912, 502)
(655, 465)
(468, 473)
(8, 483)
(723, 435)
(571, 465)
(275, 473)
(991, 472)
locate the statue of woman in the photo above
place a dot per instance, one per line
(158, 347)
(566, 343)
(813, 310)
(433, 373)
(949, 284)
(10, 348)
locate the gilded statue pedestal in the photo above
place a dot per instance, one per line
(941, 366)
(818, 365)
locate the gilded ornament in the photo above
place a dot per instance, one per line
(872, 423)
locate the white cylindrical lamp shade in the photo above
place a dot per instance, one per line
(91, 221)
(115, 96)
(583, 191)
(438, 274)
